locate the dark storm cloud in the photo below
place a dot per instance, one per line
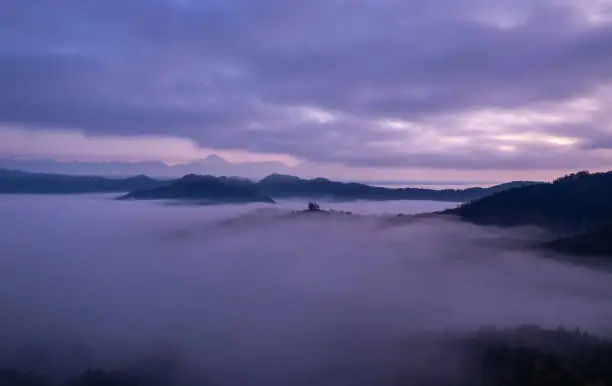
(77, 91)
(212, 70)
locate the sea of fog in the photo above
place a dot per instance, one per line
(259, 295)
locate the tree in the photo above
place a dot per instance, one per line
(313, 206)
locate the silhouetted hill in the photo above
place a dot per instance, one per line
(522, 356)
(284, 186)
(280, 179)
(201, 188)
(13, 181)
(509, 185)
(596, 242)
(529, 355)
(576, 202)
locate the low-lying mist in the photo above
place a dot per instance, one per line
(258, 295)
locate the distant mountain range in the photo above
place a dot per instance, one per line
(213, 165)
(16, 182)
(223, 189)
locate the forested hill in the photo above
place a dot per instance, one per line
(575, 202)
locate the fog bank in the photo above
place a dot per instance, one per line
(256, 294)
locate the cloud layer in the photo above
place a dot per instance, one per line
(456, 84)
(256, 296)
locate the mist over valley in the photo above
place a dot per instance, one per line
(260, 294)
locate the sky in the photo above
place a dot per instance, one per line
(363, 89)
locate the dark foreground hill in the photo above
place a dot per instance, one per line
(596, 243)
(576, 202)
(206, 189)
(523, 356)
(577, 208)
(16, 182)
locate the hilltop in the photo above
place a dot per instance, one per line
(201, 188)
(575, 202)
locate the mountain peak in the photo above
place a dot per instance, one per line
(214, 160)
(195, 177)
(276, 177)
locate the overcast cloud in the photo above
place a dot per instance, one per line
(390, 84)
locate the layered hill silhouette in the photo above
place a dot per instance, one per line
(234, 189)
(285, 186)
(213, 164)
(16, 182)
(278, 186)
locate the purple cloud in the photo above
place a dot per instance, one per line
(243, 75)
